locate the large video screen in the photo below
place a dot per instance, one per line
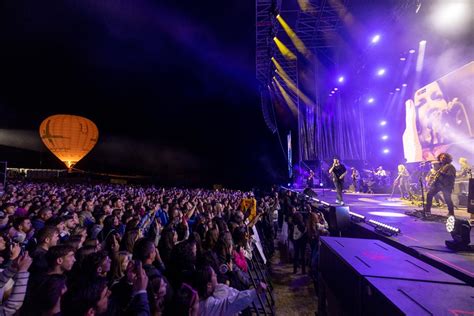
(440, 118)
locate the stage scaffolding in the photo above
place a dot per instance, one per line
(315, 27)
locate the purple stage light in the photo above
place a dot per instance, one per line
(411, 51)
(386, 151)
(340, 79)
(383, 123)
(403, 58)
(335, 89)
(376, 38)
(404, 85)
(370, 100)
(381, 72)
(385, 137)
(397, 89)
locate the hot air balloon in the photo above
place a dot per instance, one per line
(69, 137)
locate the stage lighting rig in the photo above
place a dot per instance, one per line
(357, 217)
(460, 230)
(384, 228)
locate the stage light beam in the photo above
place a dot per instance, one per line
(370, 100)
(375, 39)
(285, 51)
(340, 79)
(383, 123)
(421, 56)
(297, 42)
(384, 137)
(381, 72)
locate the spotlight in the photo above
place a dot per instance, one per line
(397, 89)
(370, 100)
(460, 230)
(376, 38)
(411, 51)
(404, 85)
(381, 72)
(403, 58)
(340, 79)
(386, 151)
(423, 42)
(383, 123)
(451, 17)
(384, 228)
(335, 89)
(330, 95)
(385, 137)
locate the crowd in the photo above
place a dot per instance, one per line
(70, 249)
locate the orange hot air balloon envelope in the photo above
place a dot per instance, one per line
(69, 137)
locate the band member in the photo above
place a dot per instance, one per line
(430, 177)
(355, 177)
(443, 181)
(338, 172)
(403, 181)
(310, 180)
(466, 170)
(380, 172)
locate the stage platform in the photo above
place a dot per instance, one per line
(420, 238)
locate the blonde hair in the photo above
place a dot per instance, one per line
(463, 161)
(401, 168)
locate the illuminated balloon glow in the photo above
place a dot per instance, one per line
(69, 137)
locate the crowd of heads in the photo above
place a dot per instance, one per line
(123, 250)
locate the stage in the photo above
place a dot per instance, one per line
(423, 239)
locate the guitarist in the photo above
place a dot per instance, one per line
(443, 181)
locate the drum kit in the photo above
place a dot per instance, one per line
(373, 182)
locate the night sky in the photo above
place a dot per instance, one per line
(170, 84)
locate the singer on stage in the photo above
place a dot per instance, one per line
(443, 181)
(338, 172)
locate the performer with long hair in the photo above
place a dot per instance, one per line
(403, 181)
(443, 181)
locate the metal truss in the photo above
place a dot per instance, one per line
(265, 31)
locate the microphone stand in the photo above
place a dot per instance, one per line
(420, 180)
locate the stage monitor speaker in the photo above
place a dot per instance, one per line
(338, 218)
(345, 264)
(470, 197)
(382, 296)
(309, 192)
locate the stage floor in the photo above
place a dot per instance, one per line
(426, 237)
